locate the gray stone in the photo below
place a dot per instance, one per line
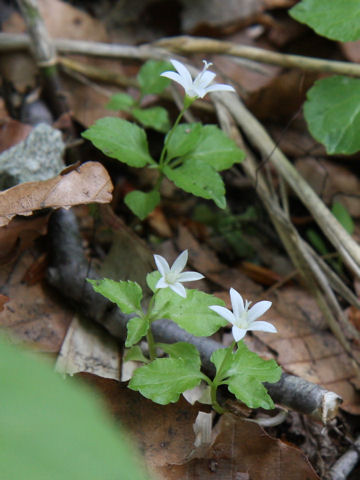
(38, 157)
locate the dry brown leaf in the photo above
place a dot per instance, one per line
(242, 448)
(87, 184)
(19, 235)
(31, 315)
(89, 348)
(164, 433)
(332, 182)
(12, 132)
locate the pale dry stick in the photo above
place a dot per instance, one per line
(10, 42)
(162, 49)
(291, 240)
(348, 249)
(346, 463)
(44, 53)
(186, 45)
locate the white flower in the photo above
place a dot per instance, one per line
(173, 277)
(199, 87)
(242, 318)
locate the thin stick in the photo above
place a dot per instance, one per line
(185, 45)
(45, 56)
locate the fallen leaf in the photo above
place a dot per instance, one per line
(89, 348)
(332, 182)
(88, 184)
(243, 448)
(31, 315)
(12, 132)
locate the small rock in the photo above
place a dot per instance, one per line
(38, 157)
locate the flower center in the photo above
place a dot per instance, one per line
(242, 320)
(171, 277)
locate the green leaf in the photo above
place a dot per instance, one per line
(165, 379)
(120, 139)
(343, 217)
(126, 295)
(135, 354)
(57, 429)
(215, 148)
(152, 279)
(200, 179)
(149, 76)
(121, 101)
(183, 350)
(243, 372)
(191, 313)
(137, 328)
(332, 111)
(142, 203)
(333, 19)
(183, 140)
(317, 241)
(154, 117)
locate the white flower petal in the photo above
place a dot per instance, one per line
(238, 333)
(183, 71)
(220, 87)
(204, 79)
(224, 312)
(258, 309)
(173, 76)
(162, 265)
(180, 262)
(162, 283)
(262, 327)
(179, 289)
(237, 302)
(189, 276)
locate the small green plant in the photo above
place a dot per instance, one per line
(164, 379)
(332, 106)
(192, 154)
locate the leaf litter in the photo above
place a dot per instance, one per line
(304, 347)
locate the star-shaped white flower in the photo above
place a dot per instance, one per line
(242, 318)
(174, 277)
(199, 87)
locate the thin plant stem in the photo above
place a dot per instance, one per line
(168, 138)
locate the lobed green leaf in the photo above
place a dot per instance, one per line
(137, 328)
(121, 101)
(332, 111)
(135, 354)
(142, 203)
(215, 148)
(243, 372)
(149, 77)
(126, 294)
(335, 19)
(200, 179)
(154, 117)
(191, 313)
(183, 140)
(120, 139)
(184, 351)
(165, 379)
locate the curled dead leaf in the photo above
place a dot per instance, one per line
(87, 184)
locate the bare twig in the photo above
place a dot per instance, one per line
(185, 45)
(45, 56)
(346, 463)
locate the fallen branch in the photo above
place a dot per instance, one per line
(68, 271)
